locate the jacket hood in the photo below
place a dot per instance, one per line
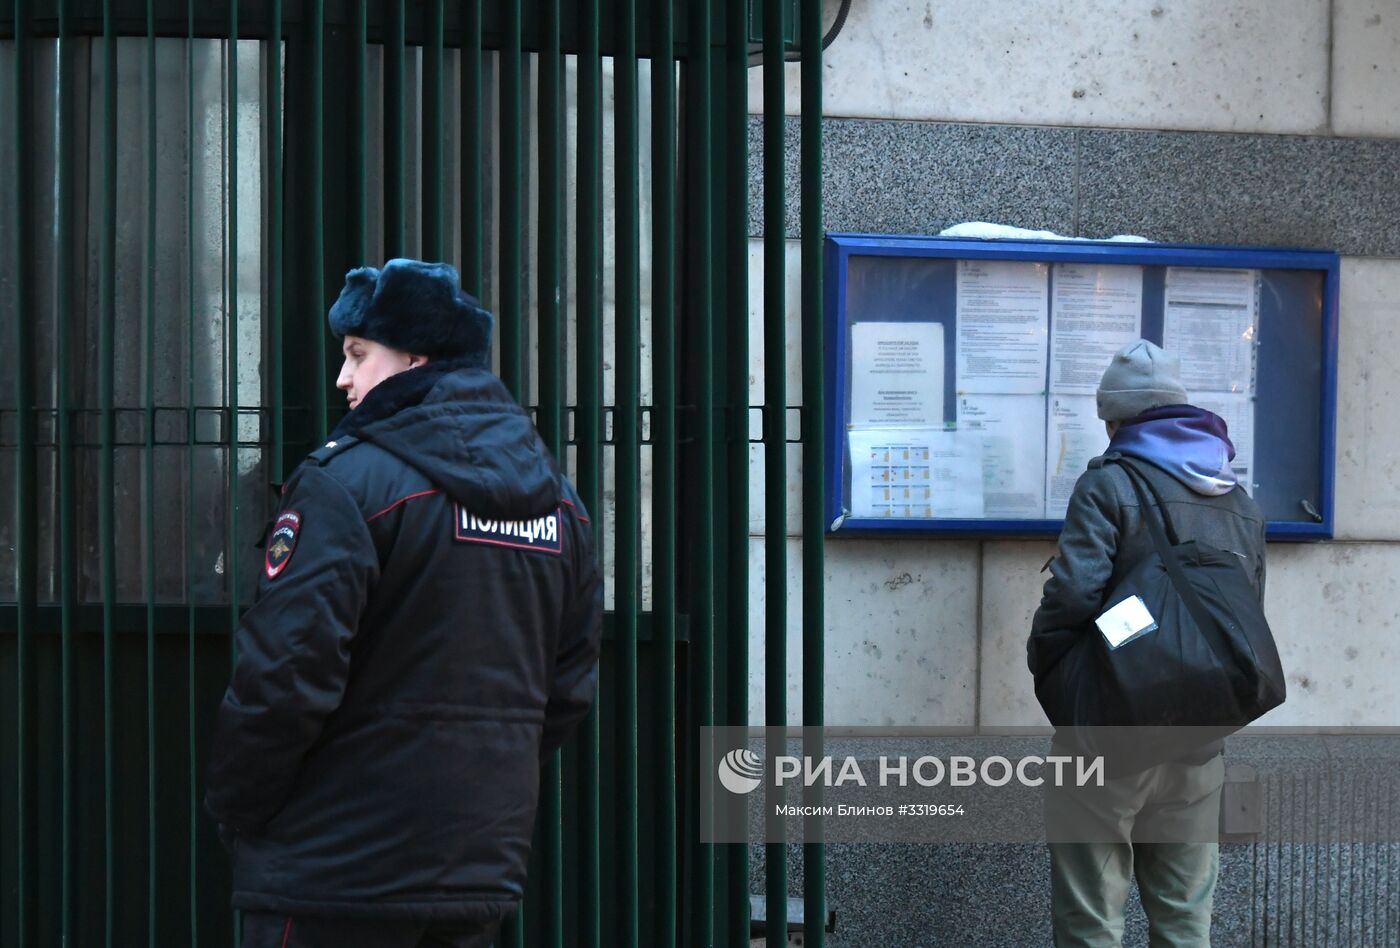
(460, 426)
(1190, 443)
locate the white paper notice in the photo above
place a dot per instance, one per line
(1237, 408)
(1074, 436)
(1002, 325)
(915, 473)
(1126, 621)
(1094, 312)
(897, 374)
(1012, 429)
(1210, 320)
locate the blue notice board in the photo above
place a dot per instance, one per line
(960, 373)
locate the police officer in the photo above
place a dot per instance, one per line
(425, 634)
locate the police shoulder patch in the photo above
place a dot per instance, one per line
(540, 534)
(281, 543)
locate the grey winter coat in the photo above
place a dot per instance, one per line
(1105, 536)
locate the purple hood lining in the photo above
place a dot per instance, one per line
(1190, 443)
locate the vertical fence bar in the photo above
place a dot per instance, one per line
(231, 551)
(736, 374)
(702, 294)
(510, 261)
(433, 248)
(663, 459)
(589, 424)
(272, 131)
(231, 322)
(149, 483)
(68, 559)
(393, 114)
(316, 279)
(26, 533)
(106, 497)
(774, 446)
(513, 184)
(470, 135)
(511, 312)
(190, 460)
(549, 298)
(359, 134)
(627, 582)
(813, 463)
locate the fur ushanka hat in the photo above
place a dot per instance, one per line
(414, 307)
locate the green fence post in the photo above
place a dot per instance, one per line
(473, 205)
(316, 272)
(432, 211)
(699, 144)
(190, 433)
(231, 548)
(26, 531)
(626, 432)
(107, 325)
(393, 114)
(67, 541)
(735, 243)
(588, 426)
(774, 445)
(231, 557)
(272, 129)
(359, 136)
(813, 456)
(510, 311)
(663, 454)
(549, 415)
(149, 485)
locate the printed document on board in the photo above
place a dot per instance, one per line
(1002, 324)
(897, 374)
(1074, 436)
(1094, 312)
(1210, 319)
(1012, 429)
(915, 473)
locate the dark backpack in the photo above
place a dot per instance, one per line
(1209, 668)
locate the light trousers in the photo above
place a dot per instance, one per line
(1160, 826)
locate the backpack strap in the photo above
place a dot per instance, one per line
(1139, 480)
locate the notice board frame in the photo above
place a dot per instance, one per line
(841, 247)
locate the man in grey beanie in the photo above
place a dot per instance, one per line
(1185, 454)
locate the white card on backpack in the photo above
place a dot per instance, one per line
(1126, 621)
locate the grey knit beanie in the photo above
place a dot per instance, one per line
(1141, 376)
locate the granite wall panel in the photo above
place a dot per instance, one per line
(901, 177)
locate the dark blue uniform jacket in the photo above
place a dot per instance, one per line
(429, 639)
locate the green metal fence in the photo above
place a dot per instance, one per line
(184, 187)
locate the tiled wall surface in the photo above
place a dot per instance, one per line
(901, 632)
(1368, 391)
(1271, 66)
(1365, 67)
(1331, 607)
(1256, 122)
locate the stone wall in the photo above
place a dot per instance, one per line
(1252, 122)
